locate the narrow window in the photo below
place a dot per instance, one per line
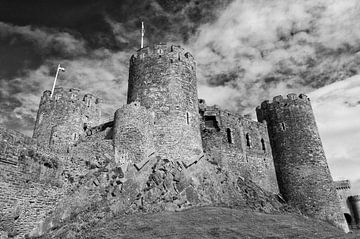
(187, 118)
(179, 56)
(229, 135)
(283, 126)
(75, 136)
(248, 142)
(88, 102)
(263, 144)
(171, 61)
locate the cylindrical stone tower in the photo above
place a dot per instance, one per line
(355, 208)
(162, 78)
(301, 168)
(133, 134)
(63, 118)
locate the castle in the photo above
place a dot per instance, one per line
(163, 119)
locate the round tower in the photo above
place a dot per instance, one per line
(163, 78)
(355, 208)
(301, 168)
(133, 134)
(63, 118)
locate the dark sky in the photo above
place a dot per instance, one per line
(247, 51)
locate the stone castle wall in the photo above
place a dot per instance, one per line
(303, 174)
(163, 79)
(239, 145)
(63, 118)
(29, 183)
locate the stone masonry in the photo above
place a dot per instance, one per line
(303, 174)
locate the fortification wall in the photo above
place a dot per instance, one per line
(301, 167)
(238, 145)
(133, 134)
(163, 79)
(29, 183)
(64, 117)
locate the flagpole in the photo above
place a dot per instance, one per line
(53, 88)
(142, 34)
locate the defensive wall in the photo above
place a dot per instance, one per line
(302, 171)
(29, 183)
(238, 144)
(163, 78)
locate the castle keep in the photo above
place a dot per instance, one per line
(164, 150)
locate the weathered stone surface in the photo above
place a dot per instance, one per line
(303, 174)
(163, 78)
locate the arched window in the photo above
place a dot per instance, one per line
(229, 135)
(248, 141)
(263, 144)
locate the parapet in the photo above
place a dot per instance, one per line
(280, 101)
(342, 184)
(70, 95)
(171, 53)
(354, 198)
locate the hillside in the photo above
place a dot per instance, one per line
(201, 222)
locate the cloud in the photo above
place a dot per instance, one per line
(261, 48)
(48, 40)
(337, 111)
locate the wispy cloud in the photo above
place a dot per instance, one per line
(47, 40)
(263, 48)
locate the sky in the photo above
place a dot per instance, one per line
(247, 51)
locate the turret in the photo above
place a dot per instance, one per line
(61, 118)
(133, 135)
(301, 168)
(163, 78)
(355, 207)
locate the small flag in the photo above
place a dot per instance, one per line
(61, 68)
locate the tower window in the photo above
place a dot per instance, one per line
(248, 141)
(187, 118)
(229, 135)
(263, 144)
(283, 126)
(75, 136)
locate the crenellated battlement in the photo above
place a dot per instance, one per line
(354, 198)
(163, 52)
(342, 184)
(70, 95)
(283, 102)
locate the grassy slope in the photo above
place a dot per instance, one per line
(204, 222)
